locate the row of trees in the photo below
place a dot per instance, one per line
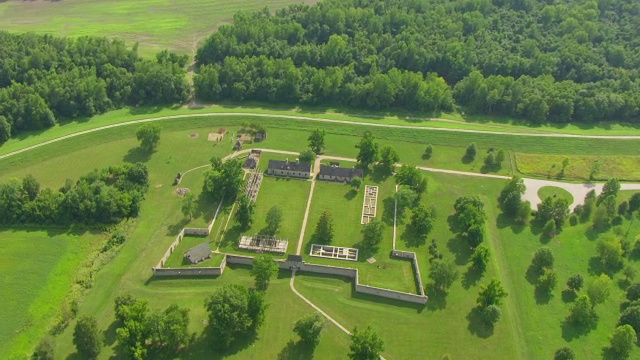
(582, 67)
(45, 79)
(281, 81)
(104, 196)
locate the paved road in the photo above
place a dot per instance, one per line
(184, 116)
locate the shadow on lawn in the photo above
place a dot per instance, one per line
(471, 277)
(137, 155)
(460, 248)
(503, 221)
(202, 347)
(295, 350)
(437, 298)
(477, 326)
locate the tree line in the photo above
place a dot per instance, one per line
(104, 196)
(538, 60)
(45, 79)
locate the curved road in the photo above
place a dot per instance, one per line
(318, 120)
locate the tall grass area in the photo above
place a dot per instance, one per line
(38, 268)
(579, 167)
(154, 24)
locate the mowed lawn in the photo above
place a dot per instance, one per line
(290, 195)
(154, 24)
(345, 205)
(579, 167)
(38, 268)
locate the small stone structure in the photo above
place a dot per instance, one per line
(264, 243)
(238, 145)
(253, 185)
(369, 204)
(334, 252)
(198, 254)
(289, 169)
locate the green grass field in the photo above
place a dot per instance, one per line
(290, 195)
(154, 24)
(555, 192)
(38, 268)
(442, 325)
(579, 167)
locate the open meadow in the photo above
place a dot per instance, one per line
(154, 24)
(408, 330)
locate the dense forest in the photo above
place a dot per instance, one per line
(44, 79)
(541, 60)
(102, 197)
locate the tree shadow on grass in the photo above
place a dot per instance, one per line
(467, 159)
(460, 248)
(203, 346)
(437, 298)
(610, 354)
(109, 334)
(477, 326)
(542, 296)
(351, 194)
(378, 175)
(503, 221)
(411, 239)
(137, 155)
(295, 350)
(174, 230)
(471, 277)
(572, 331)
(568, 296)
(231, 237)
(75, 356)
(388, 210)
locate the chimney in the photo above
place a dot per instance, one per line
(297, 161)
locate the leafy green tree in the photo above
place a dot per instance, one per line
(490, 160)
(405, 198)
(388, 158)
(31, 187)
(633, 292)
(135, 331)
(491, 293)
(601, 219)
(367, 150)
(233, 312)
(170, 327)
(623, 340)
(316, 141)
(149, 136)
(610, 251)
(45, 350)
(623, 208)
(471, 152)
(121, 302)
(365, 345)
(610, 188)
(412, 177)
(499, 158)
(490, 315)
(422, 221)
(224, 179)
(444, 274)
(542, 259)
(324, 229)
(510, 198)
(264, 268)
(372, 233)
(480, 258)
(634, 202)
(631, 316)
(188, 204)
(565, 353)
(307, 156)
(245, 211)
(575, 282)
(553, 209)
(274, 220)
(428, 152)
(5, 129)
(355, 183)
(86, 337)
(581, 312)
(309, 329)
(548, 281)
(629, 273)
(549, 228)
(599, 289)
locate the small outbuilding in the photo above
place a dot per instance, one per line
(238, 145)
(288, 168)
(251, 162)
(198, 254)
(336, 173)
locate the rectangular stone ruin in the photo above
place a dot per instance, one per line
(370, 203)
(264, 243)
(253, 185)
(334, 252)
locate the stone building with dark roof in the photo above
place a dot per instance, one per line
(335, 173)
(289, 168)
(198, 253)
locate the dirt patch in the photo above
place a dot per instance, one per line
(194, 135)
(182, 191)
(158, 186)
(215, 137)
(245, 137)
